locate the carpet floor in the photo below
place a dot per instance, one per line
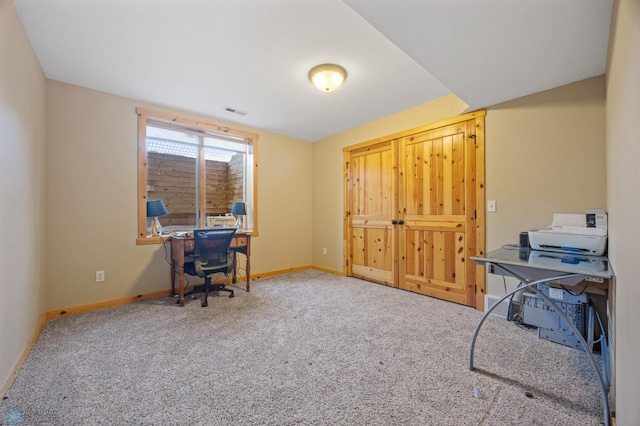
(306, 348)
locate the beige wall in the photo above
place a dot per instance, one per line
(92, 200)
(545, 154)
(328, 172)
(22, 188)
(623, 200)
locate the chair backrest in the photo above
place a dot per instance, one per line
(212, 252)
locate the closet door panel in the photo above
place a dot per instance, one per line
(372, 254)
(372, 204)
(433, 200)
(434, 264)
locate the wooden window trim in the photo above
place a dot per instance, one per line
(143, 116)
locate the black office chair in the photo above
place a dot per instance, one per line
(212, 255)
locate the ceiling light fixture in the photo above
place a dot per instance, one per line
(327, 77)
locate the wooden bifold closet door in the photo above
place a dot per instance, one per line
(414, 210)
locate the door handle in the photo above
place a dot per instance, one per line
(401, 222)
(394, 222)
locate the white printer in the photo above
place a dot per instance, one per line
(573, 233)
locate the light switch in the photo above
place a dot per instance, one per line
(491, 206)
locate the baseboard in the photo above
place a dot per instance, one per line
(106, 304)
(501, 310)
(329, 271)
(25, 352)
(280, 272)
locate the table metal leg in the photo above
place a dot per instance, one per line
(587, 349)
(484, 317)
(532, 285)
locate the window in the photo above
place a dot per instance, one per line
(197, 169)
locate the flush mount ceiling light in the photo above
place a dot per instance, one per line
(327, 77)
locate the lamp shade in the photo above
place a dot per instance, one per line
(327, 77)
(239, 208)
(156, 208)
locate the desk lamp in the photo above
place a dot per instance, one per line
(156, 208)
(239, 209)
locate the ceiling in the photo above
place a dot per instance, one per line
(203, 56)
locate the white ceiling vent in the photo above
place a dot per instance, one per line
(236, 111)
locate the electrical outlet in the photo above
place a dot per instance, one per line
(99, 276)
(491, 206)
(324, 250)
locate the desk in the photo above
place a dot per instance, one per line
(533, 267)
(181, 246)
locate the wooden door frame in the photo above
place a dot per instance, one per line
(479, 207)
